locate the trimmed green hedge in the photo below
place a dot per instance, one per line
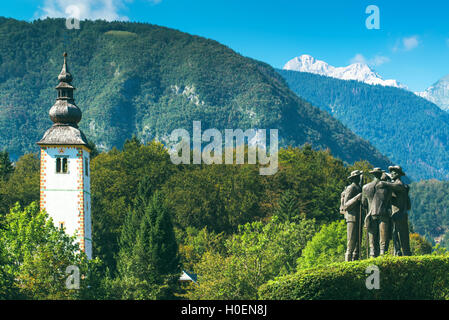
(416, 277)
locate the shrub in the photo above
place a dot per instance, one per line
(327, 246)
(419, 245)
(415, 277)
(258, 253)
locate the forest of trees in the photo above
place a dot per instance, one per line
(430, 209)
(232, 227)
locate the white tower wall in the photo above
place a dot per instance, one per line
(66, 195)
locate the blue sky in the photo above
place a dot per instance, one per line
(412, 44)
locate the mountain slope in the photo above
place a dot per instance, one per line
(430, 210)
(356, 71)
(411, 131)
(143, 79)
(438, 93)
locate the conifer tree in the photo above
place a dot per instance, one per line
(148, 259)
(288, 207)
(135, 214)
(6, 167)
(156, 250)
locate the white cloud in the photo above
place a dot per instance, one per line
(410, 43)
(406, 44)
(379, 60)
(358, 58)
(375, 62)
(83, 9)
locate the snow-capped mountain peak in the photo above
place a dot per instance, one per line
(308, 63)
(438, 93)
(356, 71)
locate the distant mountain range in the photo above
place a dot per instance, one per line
(408, 129)
(146, 80)
(438, 93)
(356, 71)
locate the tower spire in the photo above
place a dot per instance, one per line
(64, 113)
(65, 88)
(65, 75)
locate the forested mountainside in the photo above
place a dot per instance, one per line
(409, 130)
(147, 80)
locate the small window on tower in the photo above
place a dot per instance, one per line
(58, 165)
(86, 164)
(64, 165)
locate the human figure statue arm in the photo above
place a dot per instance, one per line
(353, 202)
(342, 202)
(395, 186)
(365, 209)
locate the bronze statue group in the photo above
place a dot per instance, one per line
(381, 206)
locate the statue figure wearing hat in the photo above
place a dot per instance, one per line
(350, 207)
(400, 205)
(376, 199)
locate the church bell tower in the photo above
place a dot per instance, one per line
(65, 159)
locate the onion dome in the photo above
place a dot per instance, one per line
(64, 114)
(64, 111)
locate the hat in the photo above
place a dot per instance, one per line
(385, 176)
(398, 169)
(376, 170)
(355, 173)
